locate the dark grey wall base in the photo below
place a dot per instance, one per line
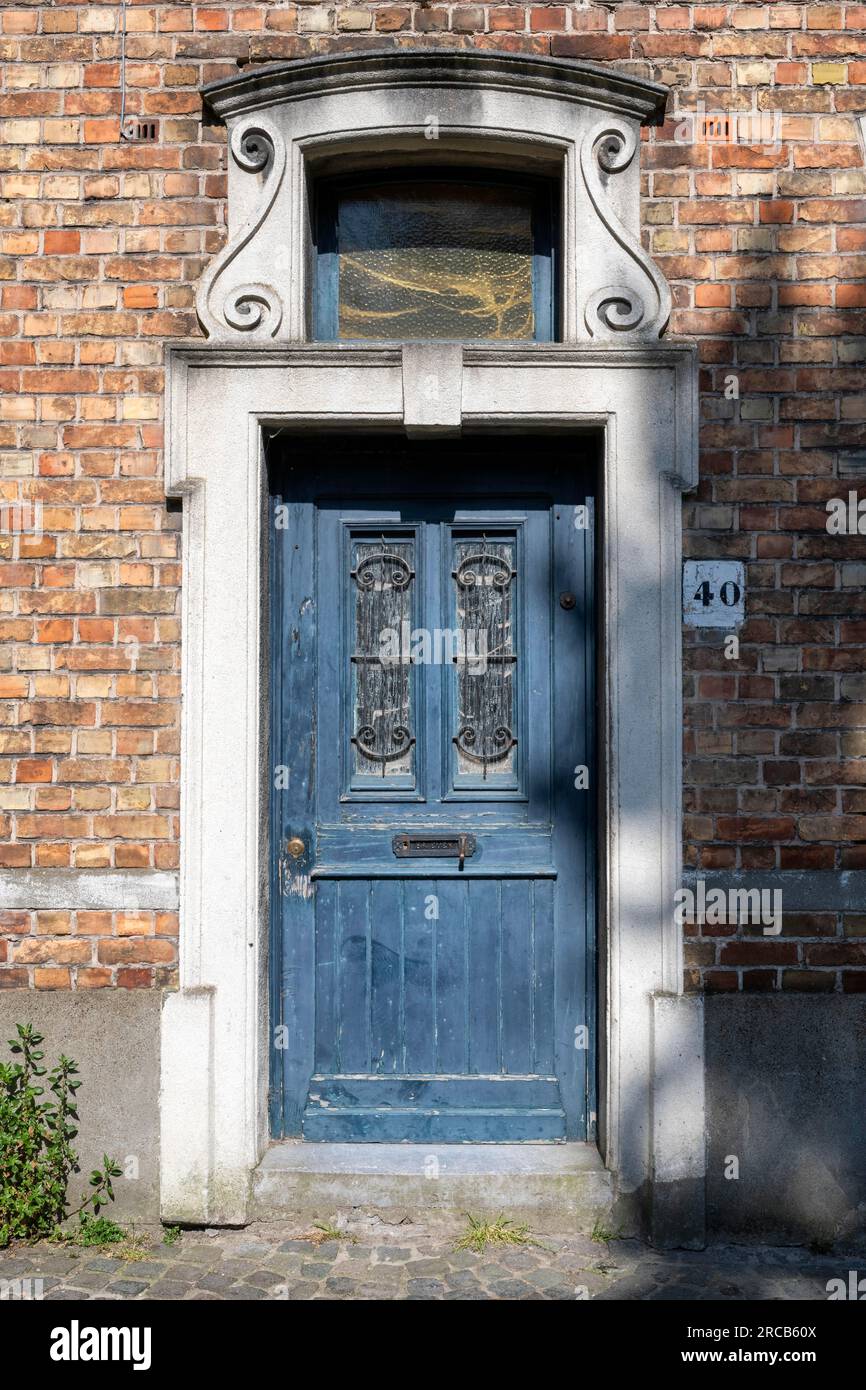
(673, 1206)
(113, 1035)
(786, 1099)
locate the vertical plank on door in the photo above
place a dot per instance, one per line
(484, 963)
(542, 917)
(386, 976)
(517, 981)
(419, 936)
(354, 920)
(327, 975)
(451, 977)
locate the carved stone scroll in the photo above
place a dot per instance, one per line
(609, 147)
(225, 308)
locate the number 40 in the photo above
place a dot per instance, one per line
(729, 593)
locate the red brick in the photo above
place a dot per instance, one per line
(14, 922)
(604, 47)
(135, 978)
(51, 978)
(390, 20)
(86, 978)
(213, 20)
(765, 829)
(792, 74)
(135, 951)
(548, 20)
(140, 297)
(33, 770)
(758, 953)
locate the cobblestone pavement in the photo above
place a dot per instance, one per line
(409, 1262)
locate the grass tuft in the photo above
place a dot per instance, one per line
(325, 1230)
(499, 1232)
(602, 1235)
(99, 1233)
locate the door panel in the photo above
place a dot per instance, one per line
(431, 703)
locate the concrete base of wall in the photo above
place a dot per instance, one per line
(786, 1097)
(677, 1216)
(113, 1035)
(555, 1187)
(786, 1107)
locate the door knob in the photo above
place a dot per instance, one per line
(295, 847)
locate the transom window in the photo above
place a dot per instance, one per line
(449, 254)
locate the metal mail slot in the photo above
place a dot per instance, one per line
(434, 846)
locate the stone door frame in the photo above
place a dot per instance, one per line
(611, 374)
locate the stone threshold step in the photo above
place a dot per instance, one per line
(555, 1187)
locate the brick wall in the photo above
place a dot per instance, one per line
(101, 244)
(90, 950)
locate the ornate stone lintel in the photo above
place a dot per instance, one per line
(330, 111)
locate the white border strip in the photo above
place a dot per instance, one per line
(25, 890)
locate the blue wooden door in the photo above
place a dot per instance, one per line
(434, 792)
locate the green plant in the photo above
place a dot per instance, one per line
(602, 1234)
(171, 1235)
(36, 1154)
(102, 1233)
(97, 1230)
(132, 1247)
(498, 1232)
(326, 1230)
